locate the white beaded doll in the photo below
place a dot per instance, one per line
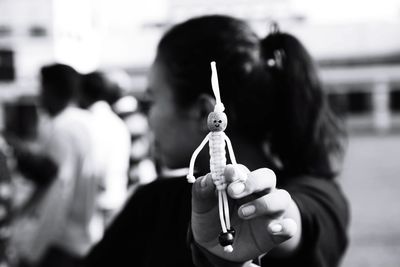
(217, 122)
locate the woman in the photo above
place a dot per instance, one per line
(308, 208)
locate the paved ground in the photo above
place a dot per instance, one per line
(371, 180)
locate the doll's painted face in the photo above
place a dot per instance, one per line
(217, 121)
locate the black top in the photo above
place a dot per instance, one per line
(152, 228)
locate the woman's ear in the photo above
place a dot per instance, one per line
(204, 104)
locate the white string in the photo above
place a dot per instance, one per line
(221, 211)
(230, 149)
(226, 210)
(228, 248)
(190, 177)
(219, 107)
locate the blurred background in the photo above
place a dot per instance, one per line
(355, 42)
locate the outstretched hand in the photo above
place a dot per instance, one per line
(262, 215)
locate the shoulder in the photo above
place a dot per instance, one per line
(309, 182)
(107, 119)
(314, 194)
(160, 195)
(162, 188)
(162, 185)
(74, 127)
(72, 119)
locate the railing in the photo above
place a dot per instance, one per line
(377, 81)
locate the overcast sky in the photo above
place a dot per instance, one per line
(344, 11)
(114, 32)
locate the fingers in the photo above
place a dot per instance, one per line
(257, 181)
(282, 230)
(236, 172)
(243, 183)
(273, 204)
(203, 194)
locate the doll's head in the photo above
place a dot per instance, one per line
(217, 121)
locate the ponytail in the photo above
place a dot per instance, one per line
(304, 134)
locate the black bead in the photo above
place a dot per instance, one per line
(226, 239)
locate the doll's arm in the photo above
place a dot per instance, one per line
(190, 176)
(230, 149)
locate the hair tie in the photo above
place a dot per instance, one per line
(277, 60)
(274, 28)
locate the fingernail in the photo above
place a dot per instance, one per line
(241, 175)
(237, 188)
(230, 171)
(233, 171)
(203, 182)
(275, 228)
(248, 210)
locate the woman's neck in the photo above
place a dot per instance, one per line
(250, 154)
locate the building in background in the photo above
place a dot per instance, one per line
(356, 42)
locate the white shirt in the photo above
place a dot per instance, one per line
(65, 214)
(113, 155)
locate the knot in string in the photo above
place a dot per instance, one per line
(219, 182)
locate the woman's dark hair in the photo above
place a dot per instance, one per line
(186, 51)
(255, 104)
(306, 135)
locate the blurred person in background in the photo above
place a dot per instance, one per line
(142, 169)
(126, 104)
(280, 124)
(113, 143)
(58, 224)
(119, 95)
(6, 193)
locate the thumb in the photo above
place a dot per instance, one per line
(203, 194)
